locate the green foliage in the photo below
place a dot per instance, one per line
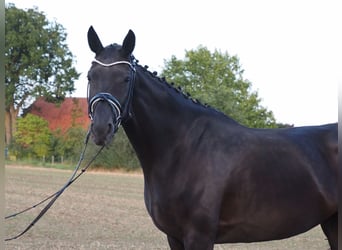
(70, 144)
(37, 61)
(33, 141)
(119, 154)
(217, 79)
(33, 136)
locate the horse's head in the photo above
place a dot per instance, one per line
(110, 86)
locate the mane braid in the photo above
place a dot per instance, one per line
(178, 89)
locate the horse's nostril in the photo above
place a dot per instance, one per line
(110, 128)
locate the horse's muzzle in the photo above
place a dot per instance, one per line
(107, 119)
(102, 134)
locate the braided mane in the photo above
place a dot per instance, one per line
(172, 85)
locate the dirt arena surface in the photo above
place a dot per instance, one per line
(100, 211)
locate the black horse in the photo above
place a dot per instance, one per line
(207, 178)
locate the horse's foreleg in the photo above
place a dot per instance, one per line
(198, 242)
(175, 244)
(330, 229)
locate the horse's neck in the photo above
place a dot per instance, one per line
(161, 116)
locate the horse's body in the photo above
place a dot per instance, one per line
(207, 178)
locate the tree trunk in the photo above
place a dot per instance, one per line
(10, 123)
(8, 127)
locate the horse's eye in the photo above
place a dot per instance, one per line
(127, 79)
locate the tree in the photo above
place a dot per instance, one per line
(72, 143)
(217, 79)
(33, 135)
(37, 62)
(119, 154)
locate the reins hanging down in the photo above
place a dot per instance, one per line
(55, 196)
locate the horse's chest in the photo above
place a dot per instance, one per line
(167, 213)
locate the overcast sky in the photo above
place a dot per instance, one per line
(290, 50)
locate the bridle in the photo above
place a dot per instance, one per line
(121, 112)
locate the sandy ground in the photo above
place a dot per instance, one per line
(100, 211)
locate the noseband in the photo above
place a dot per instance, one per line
(121, 114)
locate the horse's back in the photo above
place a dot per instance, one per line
(330, 140)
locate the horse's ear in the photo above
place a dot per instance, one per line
(128, 43)
(94, 41)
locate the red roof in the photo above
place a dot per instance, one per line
(72, 112)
